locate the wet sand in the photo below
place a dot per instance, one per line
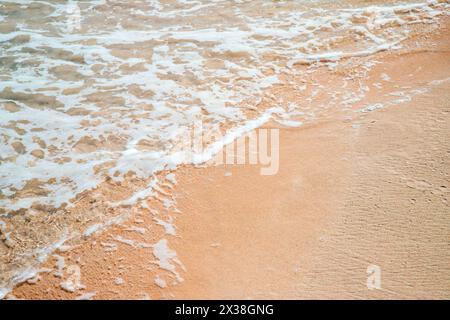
(372, 195)
(351, 192)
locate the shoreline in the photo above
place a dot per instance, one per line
(343, 198)
(228, 257)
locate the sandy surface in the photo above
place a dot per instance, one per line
(375, 195)
(354, 190)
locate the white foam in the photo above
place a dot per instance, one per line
(86, 296)
(160, 282)
(4, 292)
(70, 286)
(171, 178)
(169, 228)
(372, 107)
(108, 247)
(136, 229)
(165, 256)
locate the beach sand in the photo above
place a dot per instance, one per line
(353, 193)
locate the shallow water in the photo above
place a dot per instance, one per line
(96, 89)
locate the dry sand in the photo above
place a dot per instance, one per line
(372, 189)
